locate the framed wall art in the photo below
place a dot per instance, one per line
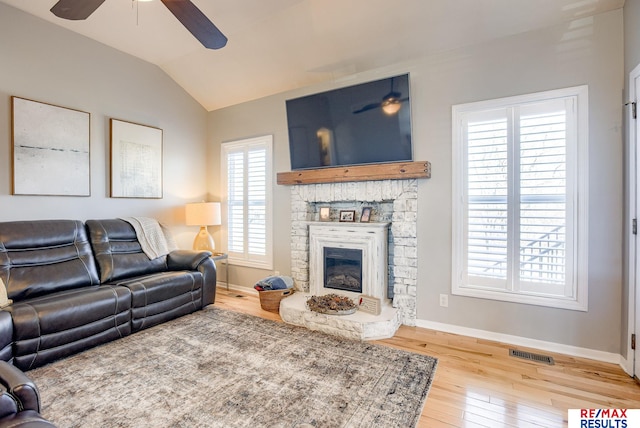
(50, 149)
(136, 160)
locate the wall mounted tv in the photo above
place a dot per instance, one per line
(362, 124)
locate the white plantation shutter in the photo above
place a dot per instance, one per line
(246, 166)
(235, 201)
(519, 176)
(544, 188)
(487, 249)
(257, 200)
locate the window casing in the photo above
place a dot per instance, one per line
(247, 182)
(520, 228)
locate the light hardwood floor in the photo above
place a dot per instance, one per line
(477, 383)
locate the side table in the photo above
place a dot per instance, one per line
(223, 257)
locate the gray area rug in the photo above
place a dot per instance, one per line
(218, 368)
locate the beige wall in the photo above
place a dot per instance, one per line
(584, 52)
(43, 62)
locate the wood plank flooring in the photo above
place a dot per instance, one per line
(477, 383)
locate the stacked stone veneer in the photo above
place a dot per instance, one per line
(394, 201)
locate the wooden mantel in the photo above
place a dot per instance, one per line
(338, 174)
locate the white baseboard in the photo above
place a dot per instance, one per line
(627, 365)
(239, 288)
(607, 357)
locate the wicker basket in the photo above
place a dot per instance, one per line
(270, 299)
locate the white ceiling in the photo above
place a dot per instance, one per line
(279, 45)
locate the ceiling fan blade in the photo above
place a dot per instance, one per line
(367, 108)
(75, 10)
(197, 23)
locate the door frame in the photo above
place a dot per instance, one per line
(630, 363)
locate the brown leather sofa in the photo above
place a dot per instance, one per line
(76, 285)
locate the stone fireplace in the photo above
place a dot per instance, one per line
(394, 209)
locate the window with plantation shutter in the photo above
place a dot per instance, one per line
(520, 199)
(246, 177)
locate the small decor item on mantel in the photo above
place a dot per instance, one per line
(348, 215)
(370, 304)
(332, 304)
(366, 215)
(325, 214)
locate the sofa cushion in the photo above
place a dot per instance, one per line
(45, 256)
(50, 327)
(118, 252)
(163, 296)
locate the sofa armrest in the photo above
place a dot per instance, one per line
(8, 403)
(200, 261)
(18, 384)
(186, 259)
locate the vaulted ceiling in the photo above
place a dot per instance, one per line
(279, 45)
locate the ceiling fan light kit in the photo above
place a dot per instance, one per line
(391, 106)
(185, 11)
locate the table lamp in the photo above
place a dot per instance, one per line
(203, 214)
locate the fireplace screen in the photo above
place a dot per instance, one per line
(343, 269)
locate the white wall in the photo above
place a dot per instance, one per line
(46, 63)
(583, 52)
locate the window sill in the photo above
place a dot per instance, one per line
(505, 296)
(250, 263)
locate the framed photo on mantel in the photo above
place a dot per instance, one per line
(325, 214)
(366, 215)
(347, 215)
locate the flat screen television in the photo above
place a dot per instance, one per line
(362, 124)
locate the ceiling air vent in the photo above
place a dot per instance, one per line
(533, 357)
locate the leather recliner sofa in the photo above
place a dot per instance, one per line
(19, 400)
(76, 285)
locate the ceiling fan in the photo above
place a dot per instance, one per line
(390, 103)
(187, 13)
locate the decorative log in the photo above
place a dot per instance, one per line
(383, 171)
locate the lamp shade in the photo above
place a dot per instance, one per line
(203, 214)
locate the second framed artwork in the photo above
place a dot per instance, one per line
(136, 160)
(366, 215)
(347, 215)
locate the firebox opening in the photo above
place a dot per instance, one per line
(343, 269)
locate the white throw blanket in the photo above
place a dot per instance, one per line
(155, 240)
(4, 300)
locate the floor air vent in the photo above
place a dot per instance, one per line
(529, 356)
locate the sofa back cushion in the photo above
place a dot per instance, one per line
(44, 256)
(118, 252)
